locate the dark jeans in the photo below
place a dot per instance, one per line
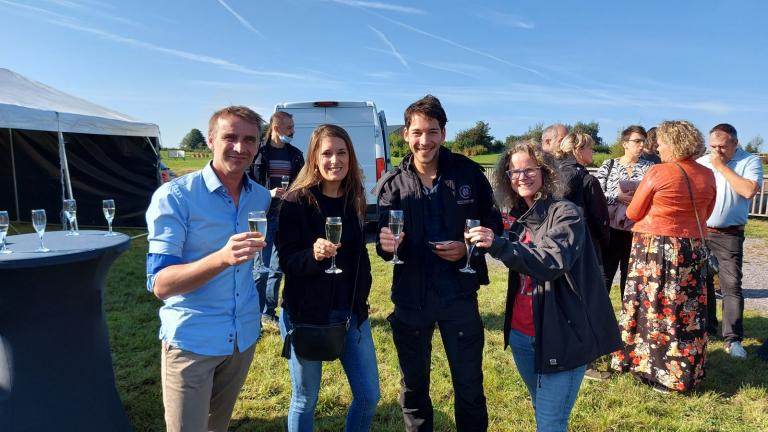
(729, 250)
(616, 255)
(268, 284)
(461, 330)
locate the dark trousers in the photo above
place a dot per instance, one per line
(729, 250)
(616, 256)
(461, 330)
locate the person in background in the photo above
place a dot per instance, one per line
(650, 152)
(558, 315)
(551, 137)
(437, 190)
(330, 185)
(583, 189)
(199, 263)
(663, 315)
(276, 158)
(619, 177)
(738, 175)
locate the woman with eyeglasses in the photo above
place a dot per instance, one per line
(558, 315)
(619, 178)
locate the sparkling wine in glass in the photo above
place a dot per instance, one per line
(333, 235)
(39, 221)
(470, 223)
(257, 222)
(70, 212)
(285, 182)
(396, 226)
(108, 207)
(5, 222)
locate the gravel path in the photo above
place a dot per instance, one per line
(755, 280)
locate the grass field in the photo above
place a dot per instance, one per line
(733, 397)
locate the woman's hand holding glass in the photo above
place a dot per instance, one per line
(323, 249)
(480, 236)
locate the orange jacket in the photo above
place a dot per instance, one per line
(662, 205)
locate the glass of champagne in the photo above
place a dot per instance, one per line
(70, 211)
(285, 181)
(39, 221)
(396, 226)
(333, 235)
(108, 207)
(470, 223)
(5, 222)
(257, 222)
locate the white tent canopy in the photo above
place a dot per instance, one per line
(27, 104)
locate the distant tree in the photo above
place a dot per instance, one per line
(472, 139)
(754, 144)
(591, 129)
(397, 145)
(534, 132)
(193, 140)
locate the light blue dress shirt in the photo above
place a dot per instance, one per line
(730, 207)
(188, 219)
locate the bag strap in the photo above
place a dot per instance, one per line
(690, 194)
(608, 174)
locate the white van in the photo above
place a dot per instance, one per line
(366, 126)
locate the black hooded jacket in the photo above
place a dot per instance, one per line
(584, 190)
(572, 314)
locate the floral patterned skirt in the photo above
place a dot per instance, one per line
(664, 311)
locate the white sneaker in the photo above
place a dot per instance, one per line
(736, 350)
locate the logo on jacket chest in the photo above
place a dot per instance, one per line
(465, 195)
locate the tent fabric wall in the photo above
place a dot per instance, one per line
(7, 194)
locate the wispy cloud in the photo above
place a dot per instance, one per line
(90, 7)
(506, 20)
(468, 70)
(381, 6)
(242, 20)
(391, 46)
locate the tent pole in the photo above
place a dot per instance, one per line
(66, 189)
(13, 173)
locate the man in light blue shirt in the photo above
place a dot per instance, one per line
(738, 175)
(199, 263)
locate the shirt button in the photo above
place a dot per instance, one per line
(237, 294)
(237, 271)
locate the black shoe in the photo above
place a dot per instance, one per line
(762, 352)
(596, 375)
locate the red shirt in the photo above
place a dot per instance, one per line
(522, 310)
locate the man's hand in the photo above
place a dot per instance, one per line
(277, 192)
(323, 249)
(452, 251)
(717, 161)
(241, 247)
(387, 240)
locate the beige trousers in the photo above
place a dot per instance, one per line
(199, 391)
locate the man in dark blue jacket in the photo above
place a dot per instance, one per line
(437, 190)
(276, 159)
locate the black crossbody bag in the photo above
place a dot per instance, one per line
(321, 342)
(713, 266)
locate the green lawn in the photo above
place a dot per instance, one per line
(733, 397)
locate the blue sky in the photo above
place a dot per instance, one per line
(509, 63)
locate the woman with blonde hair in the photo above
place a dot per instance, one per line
(664, 311)
(329, 185)
(558, 316)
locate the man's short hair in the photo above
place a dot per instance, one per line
(626, 133)
(726, 128)
(239, 111)
(428, 106)
(550, 132)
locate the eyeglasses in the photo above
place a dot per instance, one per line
(527, 172)
(638, 141)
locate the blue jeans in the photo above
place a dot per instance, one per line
(359, 362)
(553, 394)
(268, 284)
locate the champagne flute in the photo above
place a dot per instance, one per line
(470, 223)
(333, 235)
(396, 226)
(285, 181)
(108, 207)
(257, 222)
(39, 221)
(5, 221)
(70, 211)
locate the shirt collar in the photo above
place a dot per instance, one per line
(212, 182)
